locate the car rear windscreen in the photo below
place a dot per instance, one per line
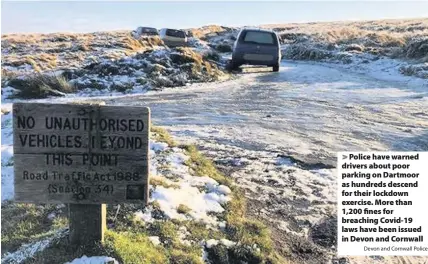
(175, 33)
(150, 30)
(258, 37)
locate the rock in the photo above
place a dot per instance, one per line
(180, 58)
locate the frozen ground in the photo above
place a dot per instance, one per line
(308, 111)
(277, 135)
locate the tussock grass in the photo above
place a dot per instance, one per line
(393, 38)
(39, 62)
(135, 248)
(178, 253)
(152, 41)
(195, 65)
(186, 55)
(41, 86)
(199, 231)
(128, 42)
(48, 58)
(246, 231)
(203, 31)
(82, 47)
(167, 231)
(33, 64)
(160, 134)
(6, 75)
(352, 34)
(202, 166)
(186, 254)
(159, 181)
(183, 209)
(131, 43)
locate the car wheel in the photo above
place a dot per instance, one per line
(232, 66)
(276, 67)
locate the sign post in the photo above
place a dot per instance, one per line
(83, 155)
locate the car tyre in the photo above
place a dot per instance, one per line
(232, 66)
(276, 67)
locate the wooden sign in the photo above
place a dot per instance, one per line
(82, 154)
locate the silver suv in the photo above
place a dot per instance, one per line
(256, 47)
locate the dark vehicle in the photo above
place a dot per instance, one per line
(256, 47)
(147, 31)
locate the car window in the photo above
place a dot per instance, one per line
(147, 31)
(258, 37)
(175, 33)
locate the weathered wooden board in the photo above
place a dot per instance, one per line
(83, 154)
(87, 224)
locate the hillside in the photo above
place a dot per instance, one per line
(111, 62)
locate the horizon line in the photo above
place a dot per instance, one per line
(213, 24)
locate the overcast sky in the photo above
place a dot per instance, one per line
(88, 16)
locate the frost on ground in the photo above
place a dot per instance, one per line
(404, 42)
(151, 69)
(174, 188)
(101, 63)
(287, 128)
(292, 198)
(186, 215)
(27, 251)
(360, 44)
(94, 260)
(7, 189)
(112, 63)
